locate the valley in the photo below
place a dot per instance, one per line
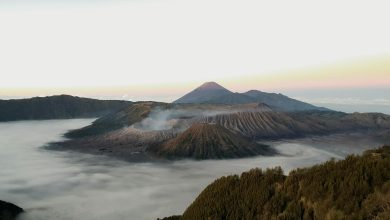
(194, 110)
(48, 184)
(141, 154)
(156, 131)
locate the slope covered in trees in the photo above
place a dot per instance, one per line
(57, 107)
(357, 187)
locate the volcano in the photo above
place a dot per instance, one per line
(203, 93)
(210, 141)
(213, 93)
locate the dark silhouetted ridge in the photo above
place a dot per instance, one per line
(57, 107)
(9, 211)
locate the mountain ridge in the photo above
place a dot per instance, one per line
(213, 93)
(57, 107)
(9, 211)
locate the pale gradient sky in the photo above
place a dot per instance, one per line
(159, 50)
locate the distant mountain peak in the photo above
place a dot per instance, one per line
(213, 93)
(211, 85)
(203, 93)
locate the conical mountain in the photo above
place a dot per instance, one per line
(210, 141)
(213, 93)
(203, 93)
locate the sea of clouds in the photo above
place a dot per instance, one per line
(72, 186)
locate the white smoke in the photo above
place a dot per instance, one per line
(166, 119)
(175, 118)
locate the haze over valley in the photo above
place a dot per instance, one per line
(67, 185)
(212, 122)
(142, 156)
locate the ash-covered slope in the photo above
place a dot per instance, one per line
(205, 130)
(210, 141)
(148, 129)
(127, 143)
(135, 112)
(274, 125)
(268, 124)
(57, 107)
(139, 111)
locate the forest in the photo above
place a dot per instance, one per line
(357, 187)
(57, 107)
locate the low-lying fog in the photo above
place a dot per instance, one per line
(68, 185)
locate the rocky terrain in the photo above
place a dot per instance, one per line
(154, 130)
(150, 131)
(57, 107)
(138, 131)
(129, 143)
(126, 116)
(209, 141)
(159, 112)
(276, 125)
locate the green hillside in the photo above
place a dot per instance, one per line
(57, 107)
(357, 187)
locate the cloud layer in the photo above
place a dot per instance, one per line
(72, 186)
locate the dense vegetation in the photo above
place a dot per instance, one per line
(56, 107)
(357, 187)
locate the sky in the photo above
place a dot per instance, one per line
(330, 53)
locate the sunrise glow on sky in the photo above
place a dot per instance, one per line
(159, 50)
